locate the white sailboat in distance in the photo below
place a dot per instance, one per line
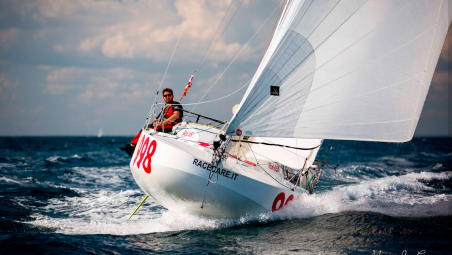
(343, 70)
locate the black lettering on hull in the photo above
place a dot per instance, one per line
(208, 167)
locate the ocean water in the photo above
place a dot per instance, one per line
(73, 195)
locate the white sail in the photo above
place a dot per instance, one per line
(355, 70)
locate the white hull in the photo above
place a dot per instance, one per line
(177, 173)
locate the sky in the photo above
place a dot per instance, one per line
(80, 66)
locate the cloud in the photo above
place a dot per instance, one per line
(8, 37)
(86, 86)
(144, 29)
(118, 46)
(90, 43)
(85, 97)
(63, 79)
(36, 110)
(6, 88)
(103, 60)
(59, 48)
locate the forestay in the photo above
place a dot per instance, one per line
(354, 70)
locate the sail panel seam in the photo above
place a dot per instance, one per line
(348, 99)
(364, 65)
(368, 93)
(236, 57)
(379, 25)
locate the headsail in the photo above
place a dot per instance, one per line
(354, 70)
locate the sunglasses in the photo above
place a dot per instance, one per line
(167, 95)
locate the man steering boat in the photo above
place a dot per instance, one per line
(170, 116)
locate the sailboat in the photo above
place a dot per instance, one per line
(341, 70)
(99, 135)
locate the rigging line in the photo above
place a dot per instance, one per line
(168, 141)
(329, 150)
(302, 16)
(344, 50)
(180, 35)
(312, 161)
(346, 157)
(294, 37)
(296, 154)
(280, 145)
(213, 37)
(340, 150)
(265, 73)
(236, 56)
(244, 155)
(210, 101)
(305, 158)
(267, 172)
(315, 29)
(219, 38)
(198, 132)
(271, 37)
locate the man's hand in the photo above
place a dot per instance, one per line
(171, 119)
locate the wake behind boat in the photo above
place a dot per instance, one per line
(337, 70)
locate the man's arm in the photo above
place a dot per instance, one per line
(171, 119)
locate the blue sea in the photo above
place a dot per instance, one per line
(73, 195)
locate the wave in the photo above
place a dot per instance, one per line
(404, 196)
(107, 212)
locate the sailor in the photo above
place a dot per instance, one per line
(170, 116)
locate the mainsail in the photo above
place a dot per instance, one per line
(352, 70)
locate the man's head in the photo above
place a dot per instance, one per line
(168, 95)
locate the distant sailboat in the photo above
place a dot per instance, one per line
(342, 70)
(100, 133)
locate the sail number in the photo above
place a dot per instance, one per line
(278, 203)
(144, 154)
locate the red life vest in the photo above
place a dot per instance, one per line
(168, 112)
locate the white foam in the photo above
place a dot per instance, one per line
(6, 165)
(393, 195)
(107, 212)
(437, 166)
(6, 179)
(53, 158)
(100, 175)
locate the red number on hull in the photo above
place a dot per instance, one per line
(144, 154)
(151, 151)
(280, 198)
